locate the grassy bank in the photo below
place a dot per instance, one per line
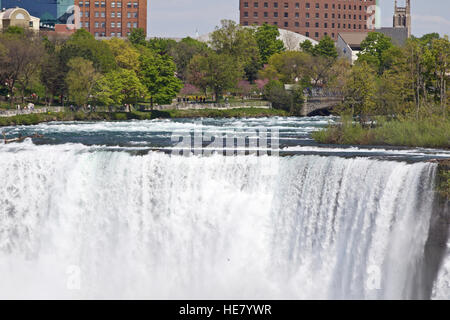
(431, 133)
(31, 119)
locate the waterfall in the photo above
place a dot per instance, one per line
(81, 222)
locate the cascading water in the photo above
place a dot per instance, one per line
(166, 227)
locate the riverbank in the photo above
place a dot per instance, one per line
(429, 133)
(32, 119)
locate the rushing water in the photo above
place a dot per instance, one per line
(95, 210)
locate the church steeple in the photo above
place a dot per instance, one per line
(402, 16)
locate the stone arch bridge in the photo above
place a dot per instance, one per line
(316, 105)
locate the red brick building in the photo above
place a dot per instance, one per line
(112, 18)
(312, 18)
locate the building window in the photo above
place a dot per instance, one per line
(113, 14)
(113, 34)
(113, 4)
(96, 3)
(119, 24)
(129, 5)
(135, 4)
(113, 24)
(286, 24)
(245, 4)
(119, 14)
(119, 4)
(255, 4)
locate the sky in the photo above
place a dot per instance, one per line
(180, 18)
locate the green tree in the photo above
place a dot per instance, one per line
(160, 45)
(157, 74)
(119, 87)
(240, 44)
(53, 72)
(288, 67)
(372, 49)
(81, 80)
(83, 44)
(137, 36)
(360, 91)
(15, 30)
(307, 46)
(20, 61)
(325, 48)
(218, 72)
(268, 42)
(440, 51)
(289, 100)
(196, 73)
(125, 54)
(183, 52)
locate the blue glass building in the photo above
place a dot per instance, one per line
(50, 12)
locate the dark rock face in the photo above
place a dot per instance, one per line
(439, 233)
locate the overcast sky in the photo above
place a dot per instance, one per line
(180, 18)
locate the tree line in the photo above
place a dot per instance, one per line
(386, 79)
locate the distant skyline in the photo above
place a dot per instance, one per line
(181, 18)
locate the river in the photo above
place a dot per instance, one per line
(112, 210)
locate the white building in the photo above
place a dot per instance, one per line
(349, 45)
(18, 17)
(291, 40)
